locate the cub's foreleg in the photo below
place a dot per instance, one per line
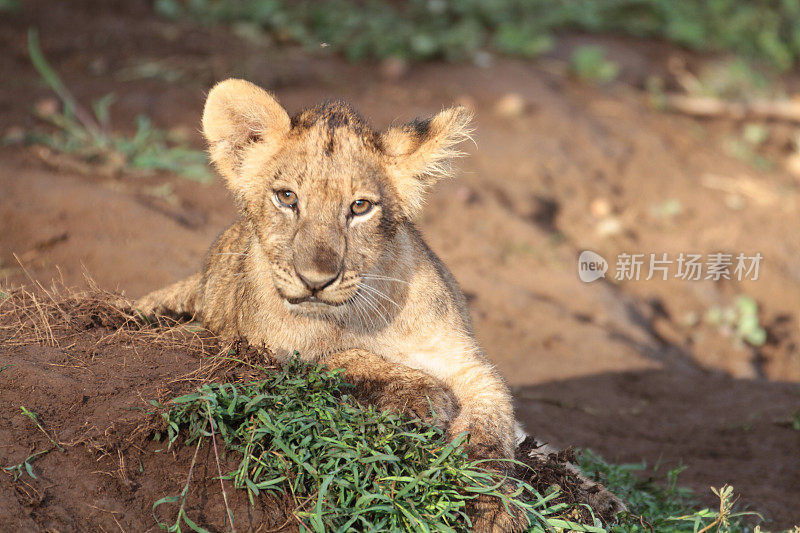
(181, 298)
(395, 387)
(487, 414)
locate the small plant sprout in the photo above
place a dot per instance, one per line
(88, 135)
(35, 418)
(589, 64)
(663, 507)
(25, 466)
(739, 321)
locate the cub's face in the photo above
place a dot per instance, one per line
(325, 214)
(323, 193)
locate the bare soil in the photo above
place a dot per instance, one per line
(93, 456)
(616, 367)
(86, 384)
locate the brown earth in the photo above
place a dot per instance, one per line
(620, 367)
(92, 456)
(86, 385)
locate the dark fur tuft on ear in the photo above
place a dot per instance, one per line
(420, 153)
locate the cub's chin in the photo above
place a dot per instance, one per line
(311, 305)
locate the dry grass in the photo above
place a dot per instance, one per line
(59, 316)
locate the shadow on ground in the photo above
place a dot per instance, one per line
(728, 430)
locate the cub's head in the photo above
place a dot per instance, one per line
(323, 192)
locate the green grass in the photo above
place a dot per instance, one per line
(89, 136)
(589, 64)
(299, 432)
(26, 465)
(9, 6)
(739, 321)
(662, 506)
(458, 30)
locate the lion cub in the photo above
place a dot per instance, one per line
(325, 260)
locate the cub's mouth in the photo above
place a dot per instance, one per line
(312, 300)
(312, 305)
(302, 296)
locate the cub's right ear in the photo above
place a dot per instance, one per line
(237, 117)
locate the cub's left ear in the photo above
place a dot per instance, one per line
(419, 154)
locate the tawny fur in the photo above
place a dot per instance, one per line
(393, 313)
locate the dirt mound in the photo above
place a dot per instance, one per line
(81, 375)
(89, 371)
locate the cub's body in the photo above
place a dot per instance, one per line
(325, 260)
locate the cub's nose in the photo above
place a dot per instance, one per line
(318, 255)
(315, 280)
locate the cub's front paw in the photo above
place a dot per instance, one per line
(395, 387)
(151, 309)
(489, 515)
(418, 397)
(147, 306)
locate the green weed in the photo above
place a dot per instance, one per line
(300, 432)
(667, 210)
(35, 418)
(732, 79)
(9, 6)
(89, 137)
(154, 69)
(27, 464)
(748, 145)
(589, 64)
(739, 320)
(663, 507)
(458, 30)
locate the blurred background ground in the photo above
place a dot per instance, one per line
(570, 154)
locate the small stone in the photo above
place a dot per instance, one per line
(483, 59)
(690, 319)
(792, 164)
(13, 135)
(99, 66)
(393, 68)
(609, 226)
(465, 195)
(600, 208)
(181, 134)
(741, 368)
(511, 105)
(47, 107)
(734, 202)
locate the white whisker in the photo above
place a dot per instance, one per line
(373, 304)
(367, 315)
(357, 307)
(373, 316)
(379, 293)
(383, 278)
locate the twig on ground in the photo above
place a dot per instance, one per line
(228, 511)
(709, 106)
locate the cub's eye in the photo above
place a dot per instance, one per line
(360, 207)
(286, 198)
